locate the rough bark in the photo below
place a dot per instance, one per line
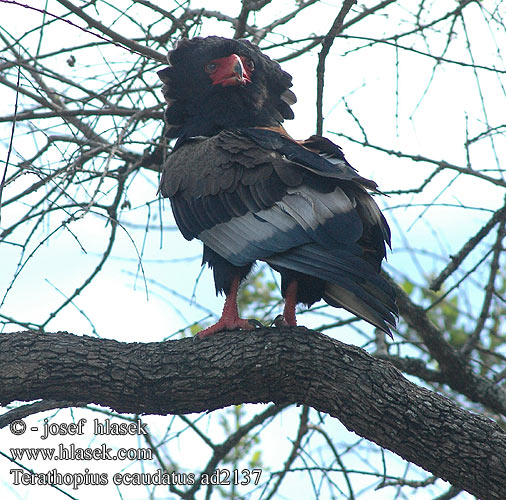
(369, 396)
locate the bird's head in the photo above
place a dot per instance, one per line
(216, 83)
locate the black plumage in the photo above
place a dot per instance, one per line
(240, 184)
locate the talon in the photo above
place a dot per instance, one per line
(230, 319)
(229, 323)
(288, 317)
(279, 321)
(255, 323)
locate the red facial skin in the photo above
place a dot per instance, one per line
(230, 71)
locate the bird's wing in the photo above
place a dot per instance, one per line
(255, 194)
(247, 198)
(351, 268)
(351, 282)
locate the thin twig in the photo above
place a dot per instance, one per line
(303, 428)
(473, 339)
(468, 247)
(11, 141)
(327, 42)
(224, 448)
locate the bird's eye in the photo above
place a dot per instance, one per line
(210, 68)
(250, 64)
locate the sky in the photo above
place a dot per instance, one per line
(118, 305)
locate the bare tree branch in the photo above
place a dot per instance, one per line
(116, 37)
(458, 374)
(327, 42)
(457, 259)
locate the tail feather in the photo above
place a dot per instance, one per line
(338, 296)
(351, 282)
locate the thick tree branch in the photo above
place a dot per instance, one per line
(456, 370)
(369, 396)
(33, 408)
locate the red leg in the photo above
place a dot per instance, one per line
(230, 316)
(288, 318)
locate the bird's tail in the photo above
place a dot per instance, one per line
(377, 310)
(350, 281)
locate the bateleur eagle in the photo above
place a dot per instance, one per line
(239, 183)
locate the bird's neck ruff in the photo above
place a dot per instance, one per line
(214, 83)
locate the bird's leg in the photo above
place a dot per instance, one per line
(288, 317)
(230, 316)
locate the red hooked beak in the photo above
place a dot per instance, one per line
(228, 71)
